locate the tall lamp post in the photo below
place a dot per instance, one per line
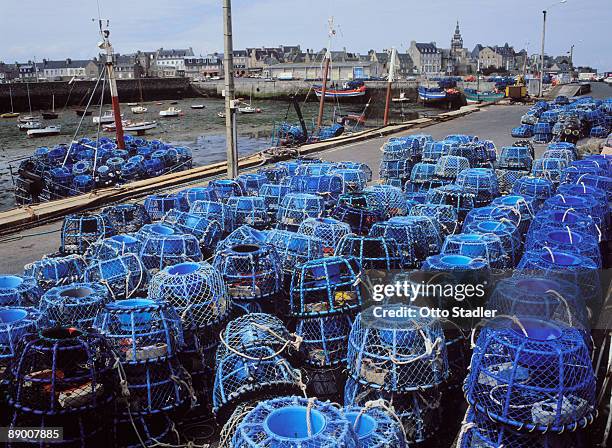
(543, 38)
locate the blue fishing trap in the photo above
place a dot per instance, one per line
(225, 188)
(249, 210)
(296, 207)
(542, 133)
(208, 232)
(250, 271)
(563, 219)
(74, 305)
(294, 248)
(481, 182)
(214, 211)
(292, 422)
(127, 218)
(328, 186)
(195, 290)
(388, 198)
(376, 426)
(487, 247)
(328, 230)
(115, 246)
(461, 268)
(81, 230)
(141, 330)
(82, 183)
(405, 234)
(507, 232)
(396, 150)
(395, 169)
(493, 213)
(273, 195)
(326, 286)
(422, 232)
(315, 168)
(601, 182)
(522, 205)
(243, 235)
(157, 205)
(274, 174)
(18, 290)
(190, 195)
(397, 354)
(515, 158)
(324, 340)
(562, 153)
(351, 165)
(15, 323)
(454, 195)
(566, 240)
(515, 372)
(60, 371)
(549, 169)
(371, 252)
(52, 271)
(537, 188)
(421, 176)
(601, 196)
(124, 276)
(251, 182)
(465, 150)
(443, 216)
(353, 179)
(432, 151)
(585, 205)
(164, 246)
(449, 167)
(253, 374)
(523, 131)
(507, 178)
(361, 217)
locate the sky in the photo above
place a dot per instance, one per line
(64, 28)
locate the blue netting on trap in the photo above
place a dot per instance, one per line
(492, 213)
(141, 330)
(324, 339)
(585, 205)
(465, 150)
(319, 168)
(52, 271)
(449, 167)
(460, 268)
(326, 286)
(418, 412)
(253, 374)
(292, 422)
(423, 233)
(195, 290)
(432, 150)
(422, 175)
(372, 252)
(523, 131)
(376, 426)
(353, 179)
(603, 160)
(397, 354)
(562, 220)
(113, 247)
(74, 305)
(481, 182)
(81, 230)
(124, 276)
(507, 178)
(82, 184)
(515, 158)
(406, 234)
(454, 195)
(395, 169)
(507, 232)
(18, 290)
(157, 205)
(76, 366)
(549, 168)
(328, 186)
(487, 247)
(248, 210)
(537, 188)
(208, 232)
(273, 195)
(163, 246)
(274, 174)
(225, 188)
(127, 218)
(251, 182)
(539, 297)
(561, 153)
(243, 235)
(396, 150)
(328, 230)
(532, 374)
(294, 248)
(599, 132)
(250, 271)
(600, 195)
(214, 211)
(192, 194)
(522, 205)
(360, 213)
(348, 164)
(566, 240)
(15, 323)
(296, 207)
(388, 198)
(601, 182)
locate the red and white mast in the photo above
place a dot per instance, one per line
(112, 82)
(326, 61)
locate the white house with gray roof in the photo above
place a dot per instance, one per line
(427, 58)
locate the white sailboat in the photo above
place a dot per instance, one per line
(170, 112)
(107, 117)
(139, 110)
(12, 113)
(45, 132)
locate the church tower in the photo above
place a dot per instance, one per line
(456, 42)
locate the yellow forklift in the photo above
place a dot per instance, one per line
(518, 92)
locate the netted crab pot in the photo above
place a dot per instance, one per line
(487, 247)
(157, 205)
(549, 168)
(328, 230)
(225, 188)
(532, 375)
(395, 170)
(568, 240)
(214, 211)
(243, 235)
(481, 182)
(600, 205)
(74, 305)
(584, 205)
(397, 354)
(560, 153)
(515, 158)
(396, 150)
(372, 252)
(444, 217)
(523, 206)
(506, 231)
(18, 290)
(113, 247)
(292, 422)
(376, 426)
(316, 168)
(249, 210)
(56, 270)
(15, 323)
(507, 178)
(124, 276)
(249, 375)
(195, 290)
(273, 195)
(164, 246)
(388, 198)
(405, 236)
(353, 179)
(294, 248)
(421, 176)
(208, 232)
(81, 230)
(580, 168)
(423, 233)
(326, 286)
(296, 207)
(274, 174)
(537, 188)
(192, 194)
(324, 339)
(460, 269)
(523, 131)
(433, 150)
(59, 371)
(448, 167)
(361, 214)
(458, 197)
(251, 182)
(252, 272)
(327, 186)
(351, 165)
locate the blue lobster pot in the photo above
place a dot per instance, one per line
(404, 235)
(328, 230)
(127, 218)
(74, 305)
(449, 167)
(324, 339)
(120, 153)
(273, 195)
(388, 198)
(444, 263)
(375, 427)
(251, 182)
(396, 150)
(432, 150)
(274, 174)
(163, 246)
(320, 168)
(481, 182)
(351, 165)
(248, 210)
(57, 155)
(562, 219)
(55, 271)
(294, 248)
(81, 167)
(139, 321)
(243, 235)
(84, 154)
(145, 151)
(125, 275)
(162, 156)
(586, 205)
(104, 175)
(190, 195)
(19, 291)
(328, 186)
(115, 164)
(256, 330)
(422, 173)
(225, 188)
(42, 153)
(515, 157)
(549, 168)
(137, 159)
(157, 205)
(83, 183)
(214, 211)
(422, 233)
(81, 230)
(507, 232)
(113, 247)
(360, 213)
(454, 195)
(523, 206)
(153, 167)
(292, 422)
(444, 217)
(395, 169)
(566, 240)
(207, 232)
(480, 246)
(353, 179)
(537, 188)
(15, 323)
(130, 170)
(296, 207)
(562, 153)
(372, 252)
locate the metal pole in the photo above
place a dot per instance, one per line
(389, 84)
(542, 57)
(230, 110)
(323, 89)
(112, 83)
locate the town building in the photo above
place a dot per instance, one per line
(338, 71)
(427, 58)
(67, 69)
(173, 58)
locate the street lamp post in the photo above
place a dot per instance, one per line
(543, 38)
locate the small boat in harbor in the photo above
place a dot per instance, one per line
(46, 131)
(248, 109)
(50, 114)
(28, 125)
(132, 104)
(12, 113)
(197, 106)
(474, 96)
(27, 118)
(138, 127)
(107, 117)
(402, 98)
(221, 114)
(431, 94)
(350, 89)
(170, 112)
(139, 110)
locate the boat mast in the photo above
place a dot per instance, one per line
(230, 104)
(389, 84)
(112, 82)
(11, 95)
(325, 72)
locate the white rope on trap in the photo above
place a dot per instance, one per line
(296, 343)
(499, 316)
(384, 405)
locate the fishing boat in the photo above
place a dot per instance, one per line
(197, 106)
(350, 89)
(431, 94)
(474, 96)
(173, 103)
(45, 132)
(139, 110)
(28, 125)
(170, 112)
(27, 118)
(140, 127)
(221, 114)
(51, 114)
(12, 113)
(248, 109)
(132, 104)
(402, 98)
(107, 117)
